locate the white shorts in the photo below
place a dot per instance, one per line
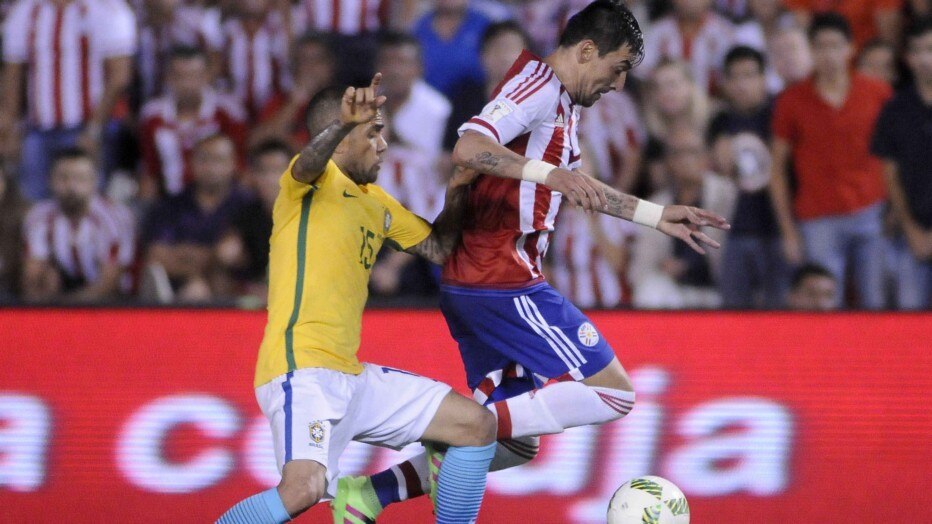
(316, 412)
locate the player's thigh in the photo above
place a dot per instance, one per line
(461, 422)
(612, 376)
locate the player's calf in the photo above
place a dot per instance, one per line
(303, 484)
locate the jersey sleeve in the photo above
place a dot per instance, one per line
(404, 227)
(514, 112)
(292, 189)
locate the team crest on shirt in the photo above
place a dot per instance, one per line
(388, 220)
(500, 110)
(316, 430)
(587, 335)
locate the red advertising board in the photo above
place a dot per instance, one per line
(149, 416)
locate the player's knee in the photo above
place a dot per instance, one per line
(480, 428)
(302, 486)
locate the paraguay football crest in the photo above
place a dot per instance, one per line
(316, 430)
(587, 335)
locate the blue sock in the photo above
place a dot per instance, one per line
(261, 508)
(461, 484)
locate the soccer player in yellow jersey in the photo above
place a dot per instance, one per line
(330, 221)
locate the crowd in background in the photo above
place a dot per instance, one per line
(142, 142)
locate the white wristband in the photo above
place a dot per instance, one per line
(647, 214)
(536, 171)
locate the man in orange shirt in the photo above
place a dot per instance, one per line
(869, 19)
(825, 124)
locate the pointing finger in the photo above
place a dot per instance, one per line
(376, 81)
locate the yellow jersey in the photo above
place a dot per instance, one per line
(325, 238)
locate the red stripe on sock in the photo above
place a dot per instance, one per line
(412, 482)
(504, 419)
(617, 404)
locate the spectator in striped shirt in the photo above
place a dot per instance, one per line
(76, 59)
(78, 244)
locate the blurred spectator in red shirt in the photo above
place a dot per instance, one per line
(78, 244)
(693, 33)
(868, 19)
(182, 233)
(312, 69)
(171, 125)
(76, 59)
(825, 125)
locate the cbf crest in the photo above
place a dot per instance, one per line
(316, 430)
(388, 221)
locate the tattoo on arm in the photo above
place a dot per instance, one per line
(313, 158)
(619, 204)
(500, 165)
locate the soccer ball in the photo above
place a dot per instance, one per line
(648, 500)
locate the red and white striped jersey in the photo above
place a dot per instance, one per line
(166, 142)
(191, 26)
(612, 127)
(705, 52)
(64, 48)
(256, 63)
(508, 222)
(411, 177)
(345, 17)
(580, 271)
(105, 235)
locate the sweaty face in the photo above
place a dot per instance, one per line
(499, 53)
(366, 146)
(919, 57)
(214, 163)
(814, 293)
(831, 51)
(745, 84)
(187, 77)
(600, 74)
(74, 182)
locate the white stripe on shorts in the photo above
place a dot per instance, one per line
(559, 332)
(519, 305)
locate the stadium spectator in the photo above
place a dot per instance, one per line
(312, 68)
(12, 210)
(501, 44)
(693, 33)
(756, 275)
(791, 56)
(417, 111)
(877, 59)
(78, 244)
(167, 24)
(868, 19)
(767, 19)
(673, 98)
(183, 231)
(813, 288)
(354, 17)
(75, 57)
(825, 125)
(616, 135)
(902, 138)
(171, 125)
(663, 273)
(450, 36)
(257, 40)
(244, 249)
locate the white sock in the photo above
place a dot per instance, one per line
(514, 452)
(559, 406)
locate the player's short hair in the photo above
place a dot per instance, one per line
(497, 29)
(830, 21)
(809, 270)
(608, 23)
(743, 52)
(919, 29)
(268, 147)
(390, 39)
(323, 109)
(66, 154)
(186, 52)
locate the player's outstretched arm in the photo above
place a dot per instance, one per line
(448, 227)
(358, 106)
(476, 151)
(682, 222)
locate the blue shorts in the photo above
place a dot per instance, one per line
(513, 341)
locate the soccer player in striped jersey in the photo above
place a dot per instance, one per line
(531, 356)
(329, 222)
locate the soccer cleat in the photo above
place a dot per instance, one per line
(356, 502)
(434, 461)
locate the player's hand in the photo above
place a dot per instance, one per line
(361, 104)
(683, 222)
(462, 176)
(582, 190)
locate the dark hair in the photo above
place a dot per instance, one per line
(186, 52)
(743, 52)
(809, 270)
(69, 153)
(497, 29)
(268, 147)
(323, 108)
(918, 29)
(830, 21)
(609, 24)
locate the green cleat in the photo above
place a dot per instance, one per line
(434, 460)
(356, 502)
